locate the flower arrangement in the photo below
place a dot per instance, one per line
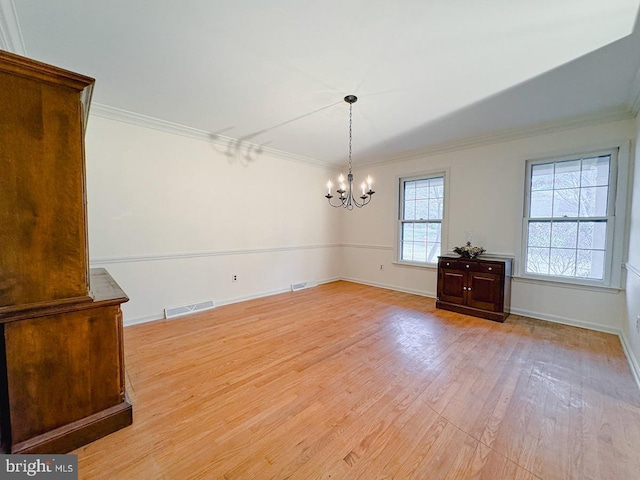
(468, 251)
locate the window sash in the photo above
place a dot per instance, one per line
(608, 219)
(579, 251)
(426, 209)
(425, 247)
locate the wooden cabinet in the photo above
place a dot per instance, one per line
(43, 234)
(61, 351)
(64, 372)
(479, 287)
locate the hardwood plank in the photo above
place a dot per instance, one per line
(350, 381)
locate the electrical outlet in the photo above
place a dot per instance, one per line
(234, 278)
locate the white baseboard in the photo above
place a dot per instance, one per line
(245, 298)
(160, 316)
(390, 287)
(144, 319)
(631, 358)
(566, 321)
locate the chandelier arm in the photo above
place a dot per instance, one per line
(349, 201)
(336, 206)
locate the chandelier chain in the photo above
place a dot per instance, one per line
(350, 136)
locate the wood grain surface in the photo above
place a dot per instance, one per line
(43, 230)
(355, 382)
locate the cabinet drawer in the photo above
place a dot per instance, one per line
(452, 263)
(488, 267)
(471, 265)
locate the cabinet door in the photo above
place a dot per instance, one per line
(452, 286)
(484, 291)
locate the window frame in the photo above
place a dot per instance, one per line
(401, 180)
(615, 216)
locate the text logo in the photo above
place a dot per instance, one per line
(50, 467)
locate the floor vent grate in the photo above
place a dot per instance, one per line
(187, 309)
(302, 285)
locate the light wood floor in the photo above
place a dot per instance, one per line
(350, 381)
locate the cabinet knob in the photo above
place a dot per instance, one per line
(464, 288)
(467, 265)
(490, 268)
(447, 264)
(469, 288)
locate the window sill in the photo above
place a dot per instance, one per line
(430, 266)
(566, 284)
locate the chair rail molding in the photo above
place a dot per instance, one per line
(632, 269)
(210, 253)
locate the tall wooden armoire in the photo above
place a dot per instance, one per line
(61, 352)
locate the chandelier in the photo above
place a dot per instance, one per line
(345, 191)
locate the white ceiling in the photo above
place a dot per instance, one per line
(274, 73)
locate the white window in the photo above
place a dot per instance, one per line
(420, 218)
(570, 217)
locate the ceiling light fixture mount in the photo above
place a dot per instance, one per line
(345, 192)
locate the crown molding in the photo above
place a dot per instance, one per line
(251, 151)
(10, 34)
(552, 126)
(233, 146)
(634, 95)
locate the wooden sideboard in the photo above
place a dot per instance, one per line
(480, 287)
(61, 351)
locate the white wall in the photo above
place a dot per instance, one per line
(172, 218)
(630, 324)
(486, 190)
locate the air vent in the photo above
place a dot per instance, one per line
(187, 309)
(302, 285)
